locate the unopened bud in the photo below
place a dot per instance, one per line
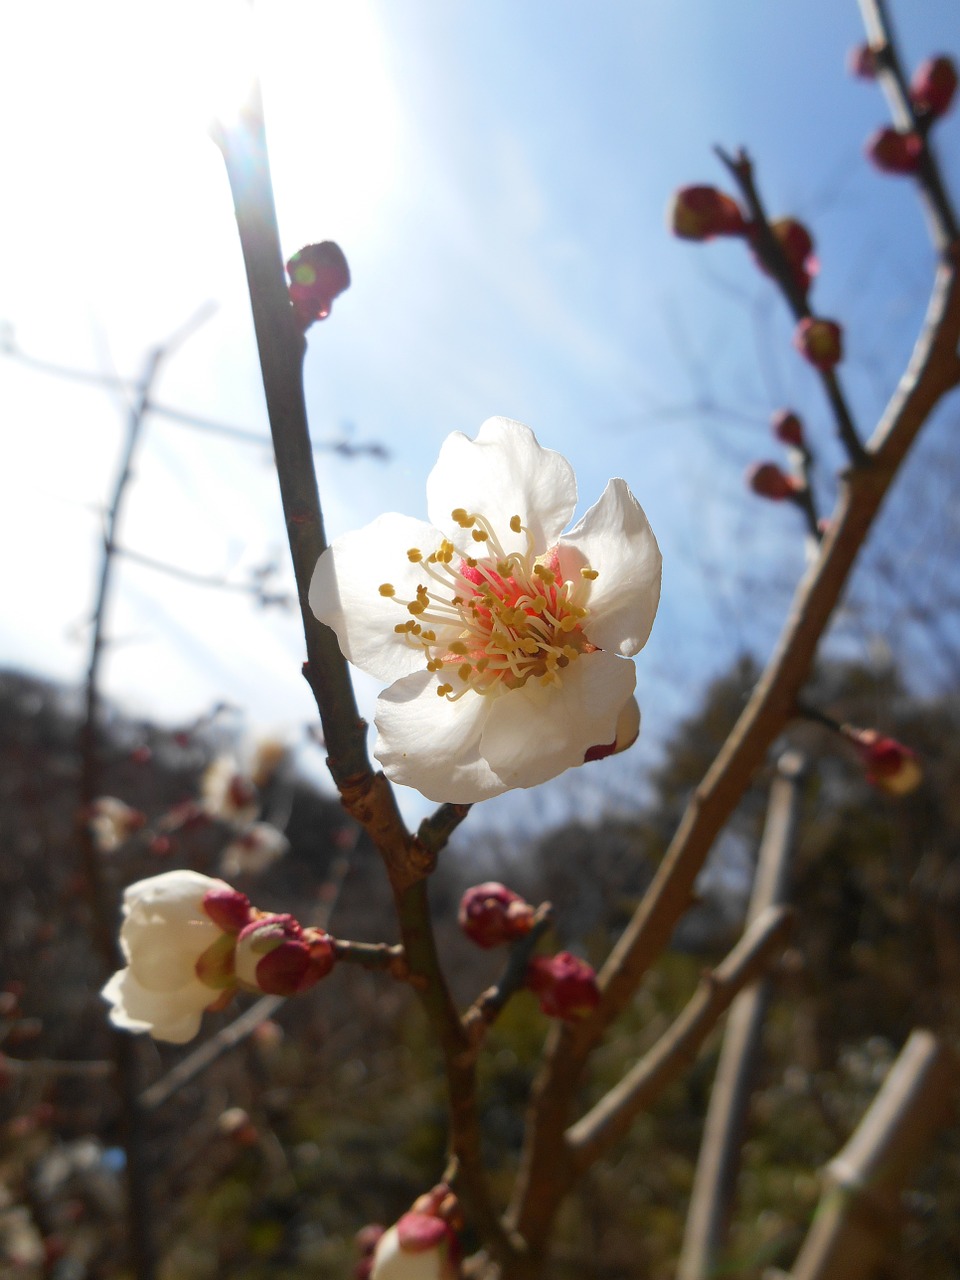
(787, 426)
(227, 908)
(893, 152)
(627, 732)
(275, 955)
(565, 985)
(318, 273)
(796, 245)
(235, 1124)
(491, 914)
(933, 85)
(862, 62)
(888, 764)
(820, 342)
(767, 480)
(419, 1246)
(700, 213)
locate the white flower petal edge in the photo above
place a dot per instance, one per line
(164, 933)
(345, 592)
(615, 539)
(173, 1016)
(503, 473)
(432, 744)
(536, 732)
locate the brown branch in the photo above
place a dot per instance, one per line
(367, 796)
(217, 583)
(611, 1118)
(859, 1215)
(773, 258)
(943, 219)
(718, 1163)
(934, 370)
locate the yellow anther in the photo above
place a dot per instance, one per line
(444, 689)
(589, 574)
(459, 648)
(387, 590)
(568, 622)
(422, 592)
(570, 652)
(543, 573)
(515, 524)
(416, 607)
(428, 636)
(464, 670)
(414, 555)
(537, 604)
(434, 665)
(462, 519)
(401, 628)
(503, 568)
(482, 664)
(414, 627)
(529, 646)
(480, 535)
(471, 562)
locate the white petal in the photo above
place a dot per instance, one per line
(390, 1262)
(345, 592)
(165, 930)
(174, 1016)
(503, 473)
(536, 732)
(433, 745)
(615, 539)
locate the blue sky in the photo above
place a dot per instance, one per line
(497, 176)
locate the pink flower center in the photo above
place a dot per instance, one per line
(496, 620)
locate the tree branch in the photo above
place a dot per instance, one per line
(858, 1218)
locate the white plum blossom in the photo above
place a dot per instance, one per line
(505, 642)
(418, 1247)
(113, 822)
(228, 793)
(253, 850)
(169, 938)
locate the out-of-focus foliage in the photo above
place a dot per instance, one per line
(331, 1114)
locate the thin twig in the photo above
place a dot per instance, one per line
(367, 796)
(943, 219)
(213, 581)
(858, 1218)
(718, 1163)
(772, 257)
(611, 1118)
(489, 1004)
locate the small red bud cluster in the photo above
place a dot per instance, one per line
(491, 914)
(787, 427)
(862, 62)
(701, 213)
(891, 151)
(796, 245)
(888, 764)
(933, 86)
(767, 480)
(932, 91)
(318, 273)
(820, 342)
(565, 986)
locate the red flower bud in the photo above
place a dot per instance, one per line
(491, 914)
(227, 908)
(700, 213)
(796, 243)
(933, 85)
(862, 62)
(565, 985)
(788, 428)
(894, 152)
(768, 481)
(889, 765)
(317, 273)
(820, 342)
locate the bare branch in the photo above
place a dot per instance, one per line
(719, 1160)
(858, 1218)
(611, 1118)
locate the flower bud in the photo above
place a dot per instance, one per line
(491, 914)
(796, 245)
(700, 213)
(565, 985)
(235, 1124)
(787, 426)
(862, 62)
(417, 1247)
(627, 732)
(275, 955)
(933, 85)
(318, 273)
(820, 342)
(893, 152)
(227, 908)
(888, 764)
(767, 480)
(227, 793)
